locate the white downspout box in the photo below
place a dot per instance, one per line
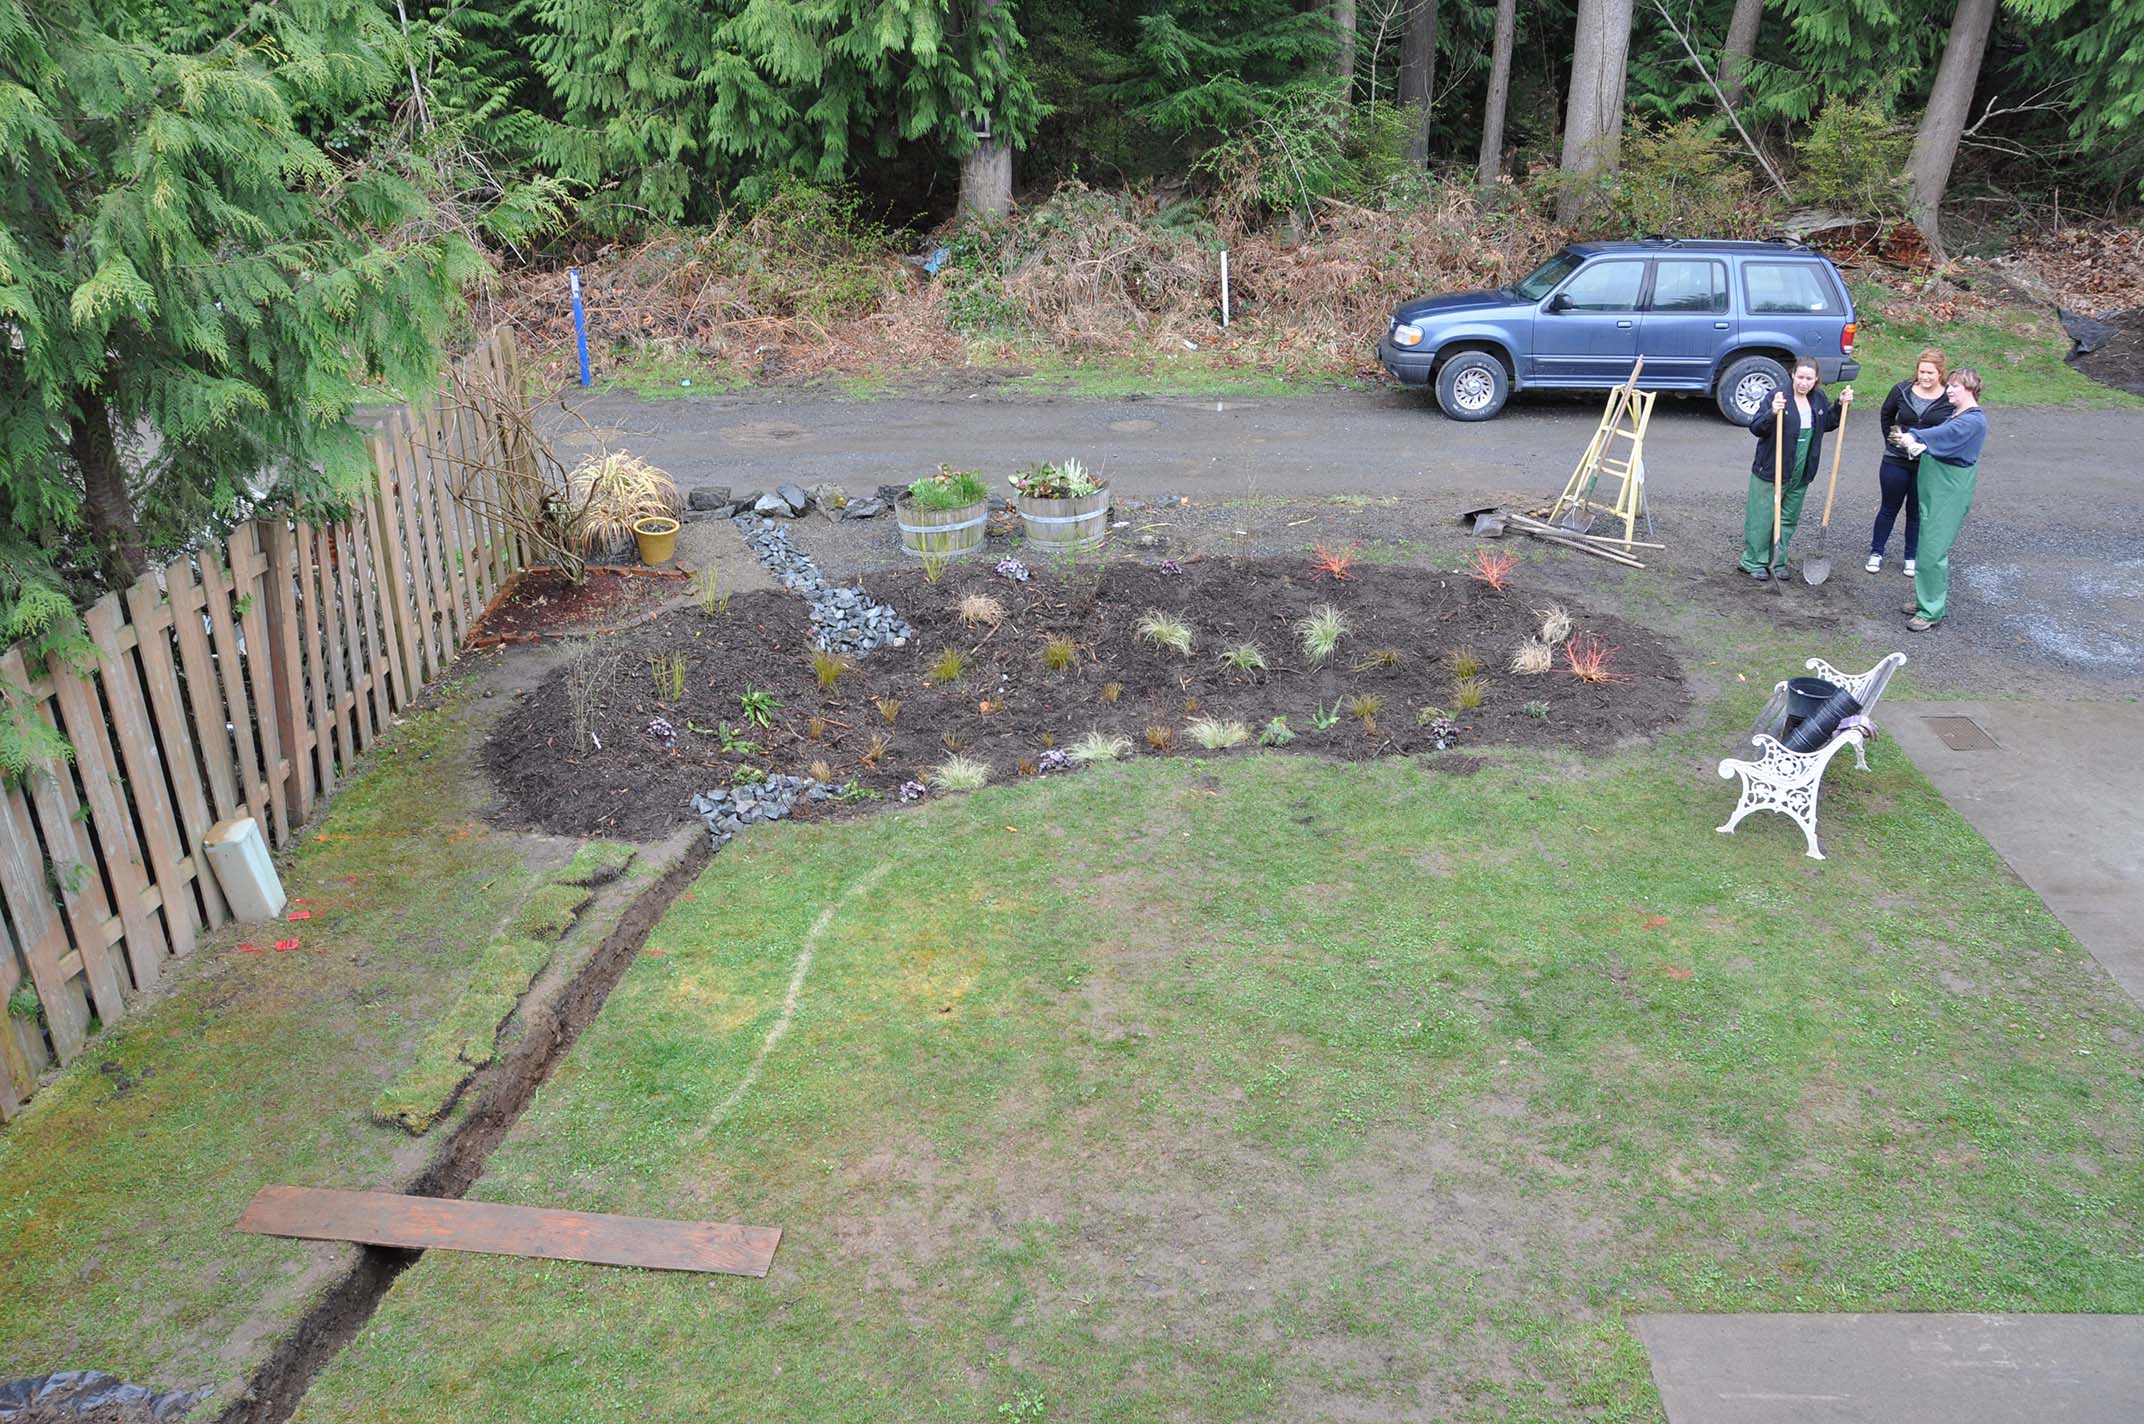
(243, 868)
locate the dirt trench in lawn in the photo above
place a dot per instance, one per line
(1007, 706)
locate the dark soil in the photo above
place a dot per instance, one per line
(636, 785)
(2120, 362)
(542, 603)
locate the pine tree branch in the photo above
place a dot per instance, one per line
(1732, 117)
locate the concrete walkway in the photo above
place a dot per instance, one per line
(2058, 789)
(1897, 1369)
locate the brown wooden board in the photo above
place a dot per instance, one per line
(390, 582)
(204, 688)
(143, 763)
(257, 782)
(424, 1223)
(284, 650)
(315, 716)
(170, 725)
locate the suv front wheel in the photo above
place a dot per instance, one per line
(1747, 387)
(1472, 386)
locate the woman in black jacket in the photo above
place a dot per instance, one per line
(1806, 416)
(1912, 405)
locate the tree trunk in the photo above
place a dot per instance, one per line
(1492, 113)
(1741, 45)
(986, 169)
(112, 528)
(1344, 45)
(1418, 74)
(1935, 147)
(1593, 130)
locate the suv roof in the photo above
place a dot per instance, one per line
(1775, 247)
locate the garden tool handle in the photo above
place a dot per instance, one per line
(1779, 472)
(1837, 449)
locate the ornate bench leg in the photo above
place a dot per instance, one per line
(1860, 758)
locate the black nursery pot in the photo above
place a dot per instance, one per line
(1817, 727)
(1805, 695)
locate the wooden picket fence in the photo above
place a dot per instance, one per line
(244, 680)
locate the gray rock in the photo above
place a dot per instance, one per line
(795, 497)
(708, 497)
(863, 509)
(828, 497)
(773, 506)
(891, 494)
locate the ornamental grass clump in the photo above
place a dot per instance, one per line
(1468, 693)
(1163, 631)
(1381, 660)
(1556, 623)
(1215, 735)
(948, 489)
(1245, 657)
(1099, 746)
(1160, 737)
(609, 494)
(981, 610)
(1277, 733)
(828, 666)
(959, 773)
(1321, 632)
(1591, 660)
(948, 665)
(1533, 658)
(1059, 652)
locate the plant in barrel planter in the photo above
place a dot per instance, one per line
(1062, 507)
(943, 514)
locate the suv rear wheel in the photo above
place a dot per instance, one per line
(1747, 387)
(1472, 386)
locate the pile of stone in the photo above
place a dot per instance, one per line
(783, 502)
(727, 812)
(843, 620)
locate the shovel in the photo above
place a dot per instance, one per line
(1779, 475)
(1816, 570)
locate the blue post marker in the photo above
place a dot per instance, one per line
(580, 322)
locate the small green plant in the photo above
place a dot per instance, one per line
(1428, 715)
(668, 672)
(1381, 660)
(708, 591)
(1215, 735)
(1099, 746)
(243, 604)
(888, 708)
(732, 744)
(23, 1004)
(747, 776)
(759, 707)
(952, 741)
(959, 773)
(828, 666)
(1464, 662)
(1364, 706)
(1059, 652)
(948, 665)
(1111, 691)
(1245, 657)
(1162, 631)
(1277, 733)
(934, 567)
(1537, 710)
(1532, 658)
(1321, 632)
(1469, 693)
(855, 791)
(948, 489)
(1324, 719)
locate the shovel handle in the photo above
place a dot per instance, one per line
(1779, 472)
(1838, 448)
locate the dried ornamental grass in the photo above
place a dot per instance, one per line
(1532, 658)
(609, 494)
(981, 610)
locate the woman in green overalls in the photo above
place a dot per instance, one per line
(1806, 416)
(1950, 469)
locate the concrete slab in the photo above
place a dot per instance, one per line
(2060, 795)
(1897, 1369)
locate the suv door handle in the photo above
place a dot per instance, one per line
(1719, 326)
(1624, 324)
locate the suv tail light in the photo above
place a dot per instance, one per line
(1846, 339)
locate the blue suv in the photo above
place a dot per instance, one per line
(1720, 318)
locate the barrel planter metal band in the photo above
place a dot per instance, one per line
(943, 533)
(1065, 525)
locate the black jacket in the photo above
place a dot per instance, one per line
(1897, 410)
(1824, 416)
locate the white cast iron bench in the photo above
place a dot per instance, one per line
(1787, 782)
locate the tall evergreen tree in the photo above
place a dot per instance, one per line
(1210, 66)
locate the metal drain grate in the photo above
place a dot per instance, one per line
(1961, 734)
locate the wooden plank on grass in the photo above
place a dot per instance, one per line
(423, 1223)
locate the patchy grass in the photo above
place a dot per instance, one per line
(1273, 1088)
(597, 863)
(1183, 374)
(655, 374)
(551, 911)
(2017, 350)
(119, 1185)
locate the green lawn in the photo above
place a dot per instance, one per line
(119, 1184)
(1268, 1088)
(2018, 352)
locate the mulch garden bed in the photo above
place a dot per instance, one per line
(1007, 707)
(543, 602)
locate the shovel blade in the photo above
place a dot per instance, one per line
(1815, 571)
(1578, 521)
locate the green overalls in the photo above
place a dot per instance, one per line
(1946, 493)
(1757, 518)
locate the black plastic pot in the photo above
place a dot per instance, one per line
(1805, 695)
(1817, 727)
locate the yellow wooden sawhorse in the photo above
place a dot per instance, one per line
(1625, 417)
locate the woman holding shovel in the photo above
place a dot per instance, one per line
(1779, 476)
(1950, 469)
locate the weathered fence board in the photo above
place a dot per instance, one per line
(245, 679)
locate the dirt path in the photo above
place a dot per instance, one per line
(2050, 579)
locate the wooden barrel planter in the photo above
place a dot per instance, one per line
(941, 533)
(1064, 526)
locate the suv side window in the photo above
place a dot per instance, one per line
(1606, 287)
(1795, 287)
(1689, 286)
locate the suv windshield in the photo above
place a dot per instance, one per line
(1538, 283)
